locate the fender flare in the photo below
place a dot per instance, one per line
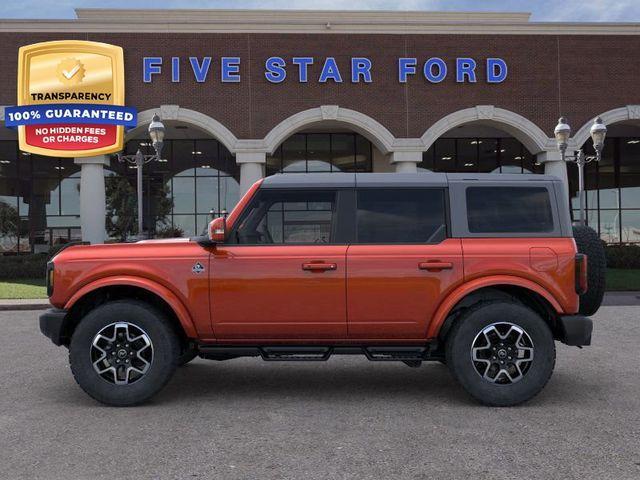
(161, 291)
(457, 295)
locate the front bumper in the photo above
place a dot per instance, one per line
(575, 330)
(52, 324)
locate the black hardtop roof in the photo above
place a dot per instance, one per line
(420, 179)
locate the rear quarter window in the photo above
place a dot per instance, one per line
(509, 210)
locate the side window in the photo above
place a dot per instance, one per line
(509, 210)
(288, 217)
(401, 215)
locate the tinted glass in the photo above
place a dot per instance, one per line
(509, 210)
(401, 216)
(288, 217)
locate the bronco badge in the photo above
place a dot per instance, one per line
(197, 268)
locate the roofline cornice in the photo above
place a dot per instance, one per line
(307, 21)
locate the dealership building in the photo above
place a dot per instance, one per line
(247, 94)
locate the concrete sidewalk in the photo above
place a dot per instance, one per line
(610, 299)
(621, 299)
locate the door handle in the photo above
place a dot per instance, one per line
(319, 267)
(435, 266)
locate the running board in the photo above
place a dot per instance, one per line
(320, 353)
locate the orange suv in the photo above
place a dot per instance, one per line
(480, 272)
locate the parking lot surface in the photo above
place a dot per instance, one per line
(342, 419)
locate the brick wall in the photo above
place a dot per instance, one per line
(578, 76)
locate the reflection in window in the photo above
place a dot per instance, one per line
(37, 195)
(612, 190)
(288, 217)
(483, 155)
(321, 152)
(400, 215)
(509, 210)
(195, 180)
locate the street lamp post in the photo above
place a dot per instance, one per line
(562, 133)
(156, 133)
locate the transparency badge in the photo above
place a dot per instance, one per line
(70, 99)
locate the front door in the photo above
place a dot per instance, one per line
(401, 265)
(282, 274)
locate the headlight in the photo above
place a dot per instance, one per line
(50, 278)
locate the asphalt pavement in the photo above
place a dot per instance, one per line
(342, 419)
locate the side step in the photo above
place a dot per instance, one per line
(319, 353)
(403, 354)
(295, 354)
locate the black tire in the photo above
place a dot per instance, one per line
(468, 327)
(188, 354)
(589, 243)
(165, 352)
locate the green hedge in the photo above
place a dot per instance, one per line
(14, 267)
(623, 256)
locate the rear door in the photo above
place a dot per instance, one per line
(401, 264)
(282, 275)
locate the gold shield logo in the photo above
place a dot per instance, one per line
(78, 74)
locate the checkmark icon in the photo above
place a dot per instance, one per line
(71, 73)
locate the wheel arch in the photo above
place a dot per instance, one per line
(524, 291)
(116, 288)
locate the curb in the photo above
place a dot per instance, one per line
(15, 305)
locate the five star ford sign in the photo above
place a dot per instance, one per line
(70, 99)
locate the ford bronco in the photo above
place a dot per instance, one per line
(481, 272)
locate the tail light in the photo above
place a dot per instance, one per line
(581, 274)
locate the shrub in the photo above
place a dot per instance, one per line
(623, 256)
(170, 232)
(14, 267)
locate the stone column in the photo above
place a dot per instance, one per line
(553, 165)
(92, 198)
(406, 162)
(251, 168)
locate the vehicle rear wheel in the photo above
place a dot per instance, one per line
(123, 352)
(589, 243)
(501, 353)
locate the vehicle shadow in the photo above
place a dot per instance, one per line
(298, 381)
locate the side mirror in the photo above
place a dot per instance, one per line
(218, 230)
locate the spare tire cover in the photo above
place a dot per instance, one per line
(589, 243)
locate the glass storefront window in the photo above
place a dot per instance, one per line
(629, 151)
(182, 158)
(512, 156)
(207, 194)
(193, 179)
(612, 190)
(488, 154)
(70, 196)
(184, 195)
(186, 223)
(483, 155)
(445, 155)
(342, 152)
(294, 154)
(467, 154)
(630, 226)
(322, 152)
(319, 152)
(610, 226)
(364, 154)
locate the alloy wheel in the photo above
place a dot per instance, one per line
(502, 353)
(121, 353)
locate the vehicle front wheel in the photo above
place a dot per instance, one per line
(123, 352)
(501, 353)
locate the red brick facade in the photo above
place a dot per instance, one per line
(578, 76)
